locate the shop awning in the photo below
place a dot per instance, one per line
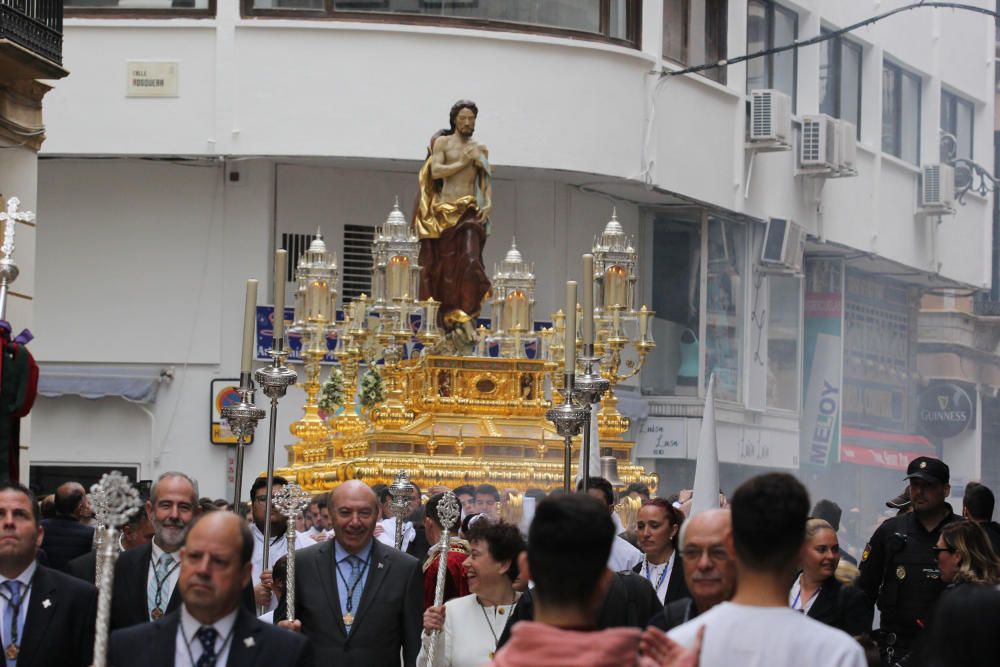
(138, 384)
(882, 450)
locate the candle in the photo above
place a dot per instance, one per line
(569, 357)
(280, 264)
(588, 299)
(643, 322)
(249, 319)
(615, 322)
(614, 287)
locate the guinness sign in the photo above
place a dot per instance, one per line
(946, 410)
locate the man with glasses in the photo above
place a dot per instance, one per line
(709, 568)
(261, 573)
(899, 570)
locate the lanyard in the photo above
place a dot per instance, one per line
(798, 595)
(15, 614)
(663, 575)
(159, 582)
(350, 589)
(222, 649)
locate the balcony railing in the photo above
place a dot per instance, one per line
(34, 24)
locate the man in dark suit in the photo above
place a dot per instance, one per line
(46, 617)
(146, 577)
(66, 537)
(210, 627)
(373, 593)
(136, 533)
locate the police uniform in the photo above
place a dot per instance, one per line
(899, 568)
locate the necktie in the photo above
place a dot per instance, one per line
(12, 626)
(352, 588)
(207, 635)
(155, 599)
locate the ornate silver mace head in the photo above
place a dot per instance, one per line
(402, 491)
(275, 379)
(242, 417)
(119, 500)
(290, 500)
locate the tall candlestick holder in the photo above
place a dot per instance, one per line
(588, 390)
(291, 501)
(274, 380)
(402, 492)
(569, 418)
(121, 500)
(242, 418)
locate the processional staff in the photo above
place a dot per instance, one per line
(291, 501)
(121, 500)
(448, 511)
(402, 492)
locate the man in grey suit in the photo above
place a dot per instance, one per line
(358, 601)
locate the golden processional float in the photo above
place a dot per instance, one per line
(403, 396)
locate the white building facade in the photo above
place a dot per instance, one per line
(190, 142)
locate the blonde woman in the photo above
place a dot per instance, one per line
(817, 592)
(965, 556)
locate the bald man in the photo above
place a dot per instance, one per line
(709, 568)
(373, 592)
(210, 628)
(66, 535)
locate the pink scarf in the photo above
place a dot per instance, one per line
(535, 644)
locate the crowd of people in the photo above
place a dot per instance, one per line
(761, 580)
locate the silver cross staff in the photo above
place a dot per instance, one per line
(291, 500)
(402, 491)
(8, 269)
(100, 506)
(121, 500)
(448, 511)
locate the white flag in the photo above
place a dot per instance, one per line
(706, 470)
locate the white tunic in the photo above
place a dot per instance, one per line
(470, 633)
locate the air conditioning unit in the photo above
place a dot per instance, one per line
(937, 189)
(784, 245)
(771, 118)
(847, 152)
(819, 145)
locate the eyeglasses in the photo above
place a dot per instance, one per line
(937, 550)
(717, 554)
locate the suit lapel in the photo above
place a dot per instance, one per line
(140, 576)
(326, 564)
(824, 601)
(42, 607)
(377, 573)
(245, 644)
(166, 640)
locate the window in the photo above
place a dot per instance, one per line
(956, 120)
(840, 80)
(675, 30)
(783, 342)
(724, 307)
(694, 33)
(900, 113)
(616, 20)
(357, 267)
(153, 7)
(768, 26)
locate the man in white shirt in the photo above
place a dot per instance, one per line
(210, 628)
(757, 628)
(262, 582)
(623, 556)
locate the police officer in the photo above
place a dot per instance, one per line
(898, 568)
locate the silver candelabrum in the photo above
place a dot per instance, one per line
(242, 418)
(569, 418)
(274, 380)
(120, 501)
(402, 491)
(588, 389)
(448, 511)
(291, 501)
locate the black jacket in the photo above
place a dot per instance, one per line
(254, 644)
(992, 529)
(629, 602)
(676, 613)
(83, 567)
(59, 625)
(844, 607)
(676, 586)
(65, 539)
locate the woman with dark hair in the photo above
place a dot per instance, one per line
(818, 593)
(471, 625)
(657, 529)
(965, 555)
